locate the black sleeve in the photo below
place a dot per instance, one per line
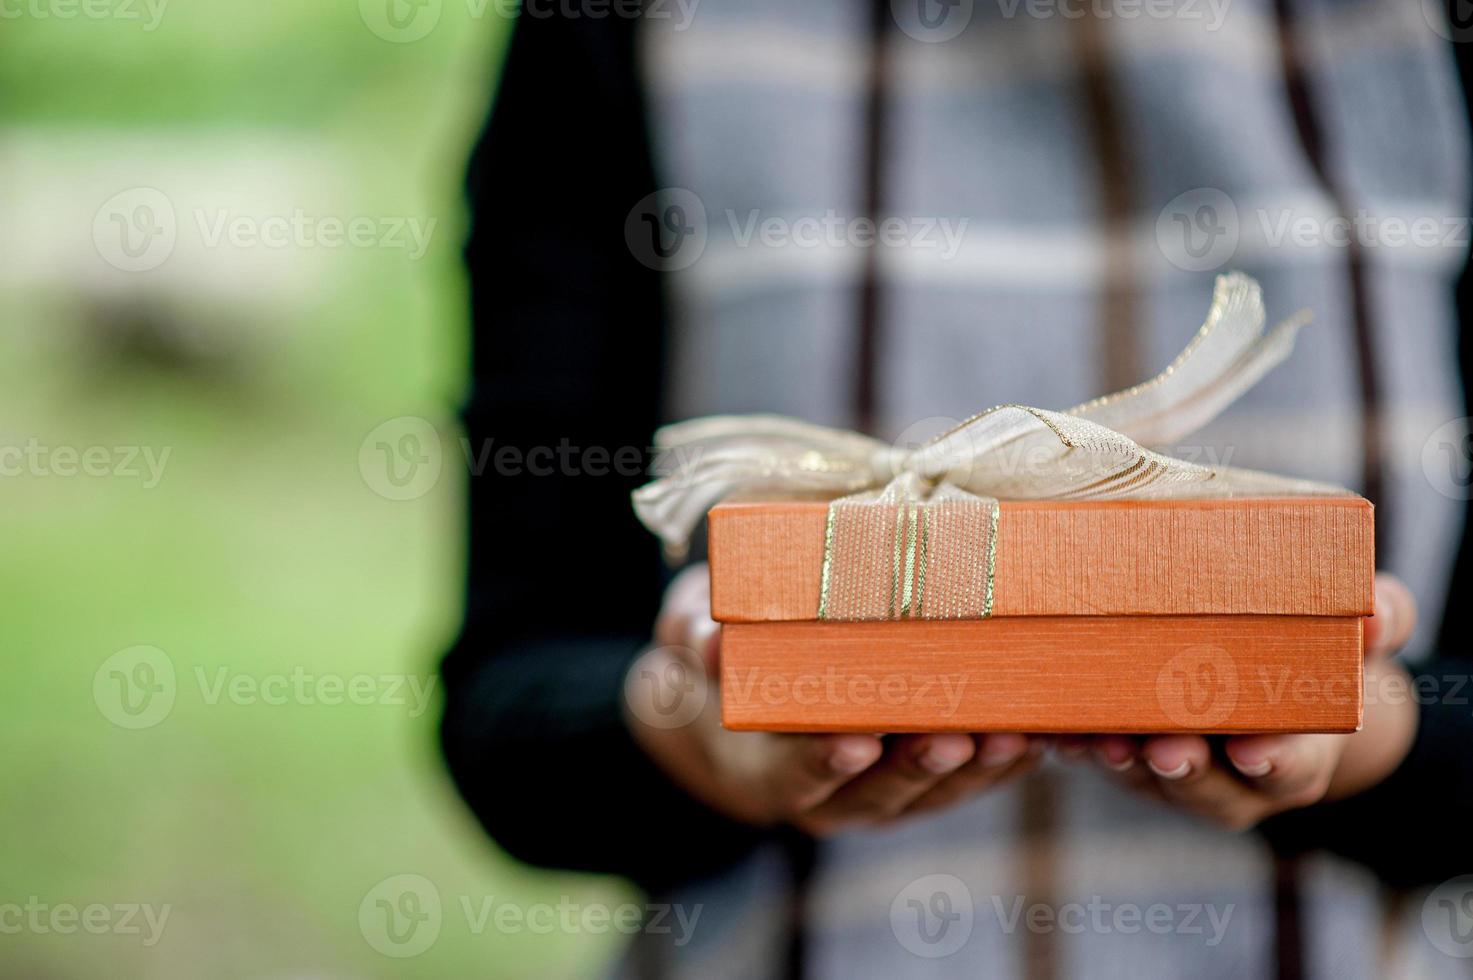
(563, 582)
(1412, 829)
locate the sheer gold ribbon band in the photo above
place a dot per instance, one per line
(890, 555)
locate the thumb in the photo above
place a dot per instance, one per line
(1396, 616)
(705, 639)
(685, 617)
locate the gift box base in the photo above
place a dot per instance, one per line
(1079, 674)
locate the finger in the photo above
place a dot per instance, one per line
(1139, 779)
(805, 770)
(1176, 758)
(704, 637)
(1291, 770)
(996, 758)
(911, 766)
(685, 616)
(1218, 796)
(1125, 757)
(687, 595)
(949, 792)
(1117, 753)
(698, 633)
(1072, 746)
(691, 586)
(1396, 616)
(1186, 776)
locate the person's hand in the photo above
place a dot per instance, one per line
(1253, 777)
(820, 783)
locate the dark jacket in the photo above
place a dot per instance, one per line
(564, 583)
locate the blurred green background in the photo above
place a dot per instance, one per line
(263, 551)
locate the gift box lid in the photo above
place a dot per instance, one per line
(1289, 555)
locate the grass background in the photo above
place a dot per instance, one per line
(262, 550)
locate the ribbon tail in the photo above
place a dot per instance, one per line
(706, 460)
(1228, 355)
(1017, 452)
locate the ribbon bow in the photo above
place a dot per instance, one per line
(904, 516)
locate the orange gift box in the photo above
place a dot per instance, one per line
(1208, 616)
(1029, 570)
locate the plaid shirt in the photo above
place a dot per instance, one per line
(1056, 183)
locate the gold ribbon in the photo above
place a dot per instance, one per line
(897, 555)
(912, 534)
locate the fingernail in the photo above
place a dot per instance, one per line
(1001, 751)
(1181, 770)
(701, 634)
(942, 758)
(1254, 769)
(1119, 765)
